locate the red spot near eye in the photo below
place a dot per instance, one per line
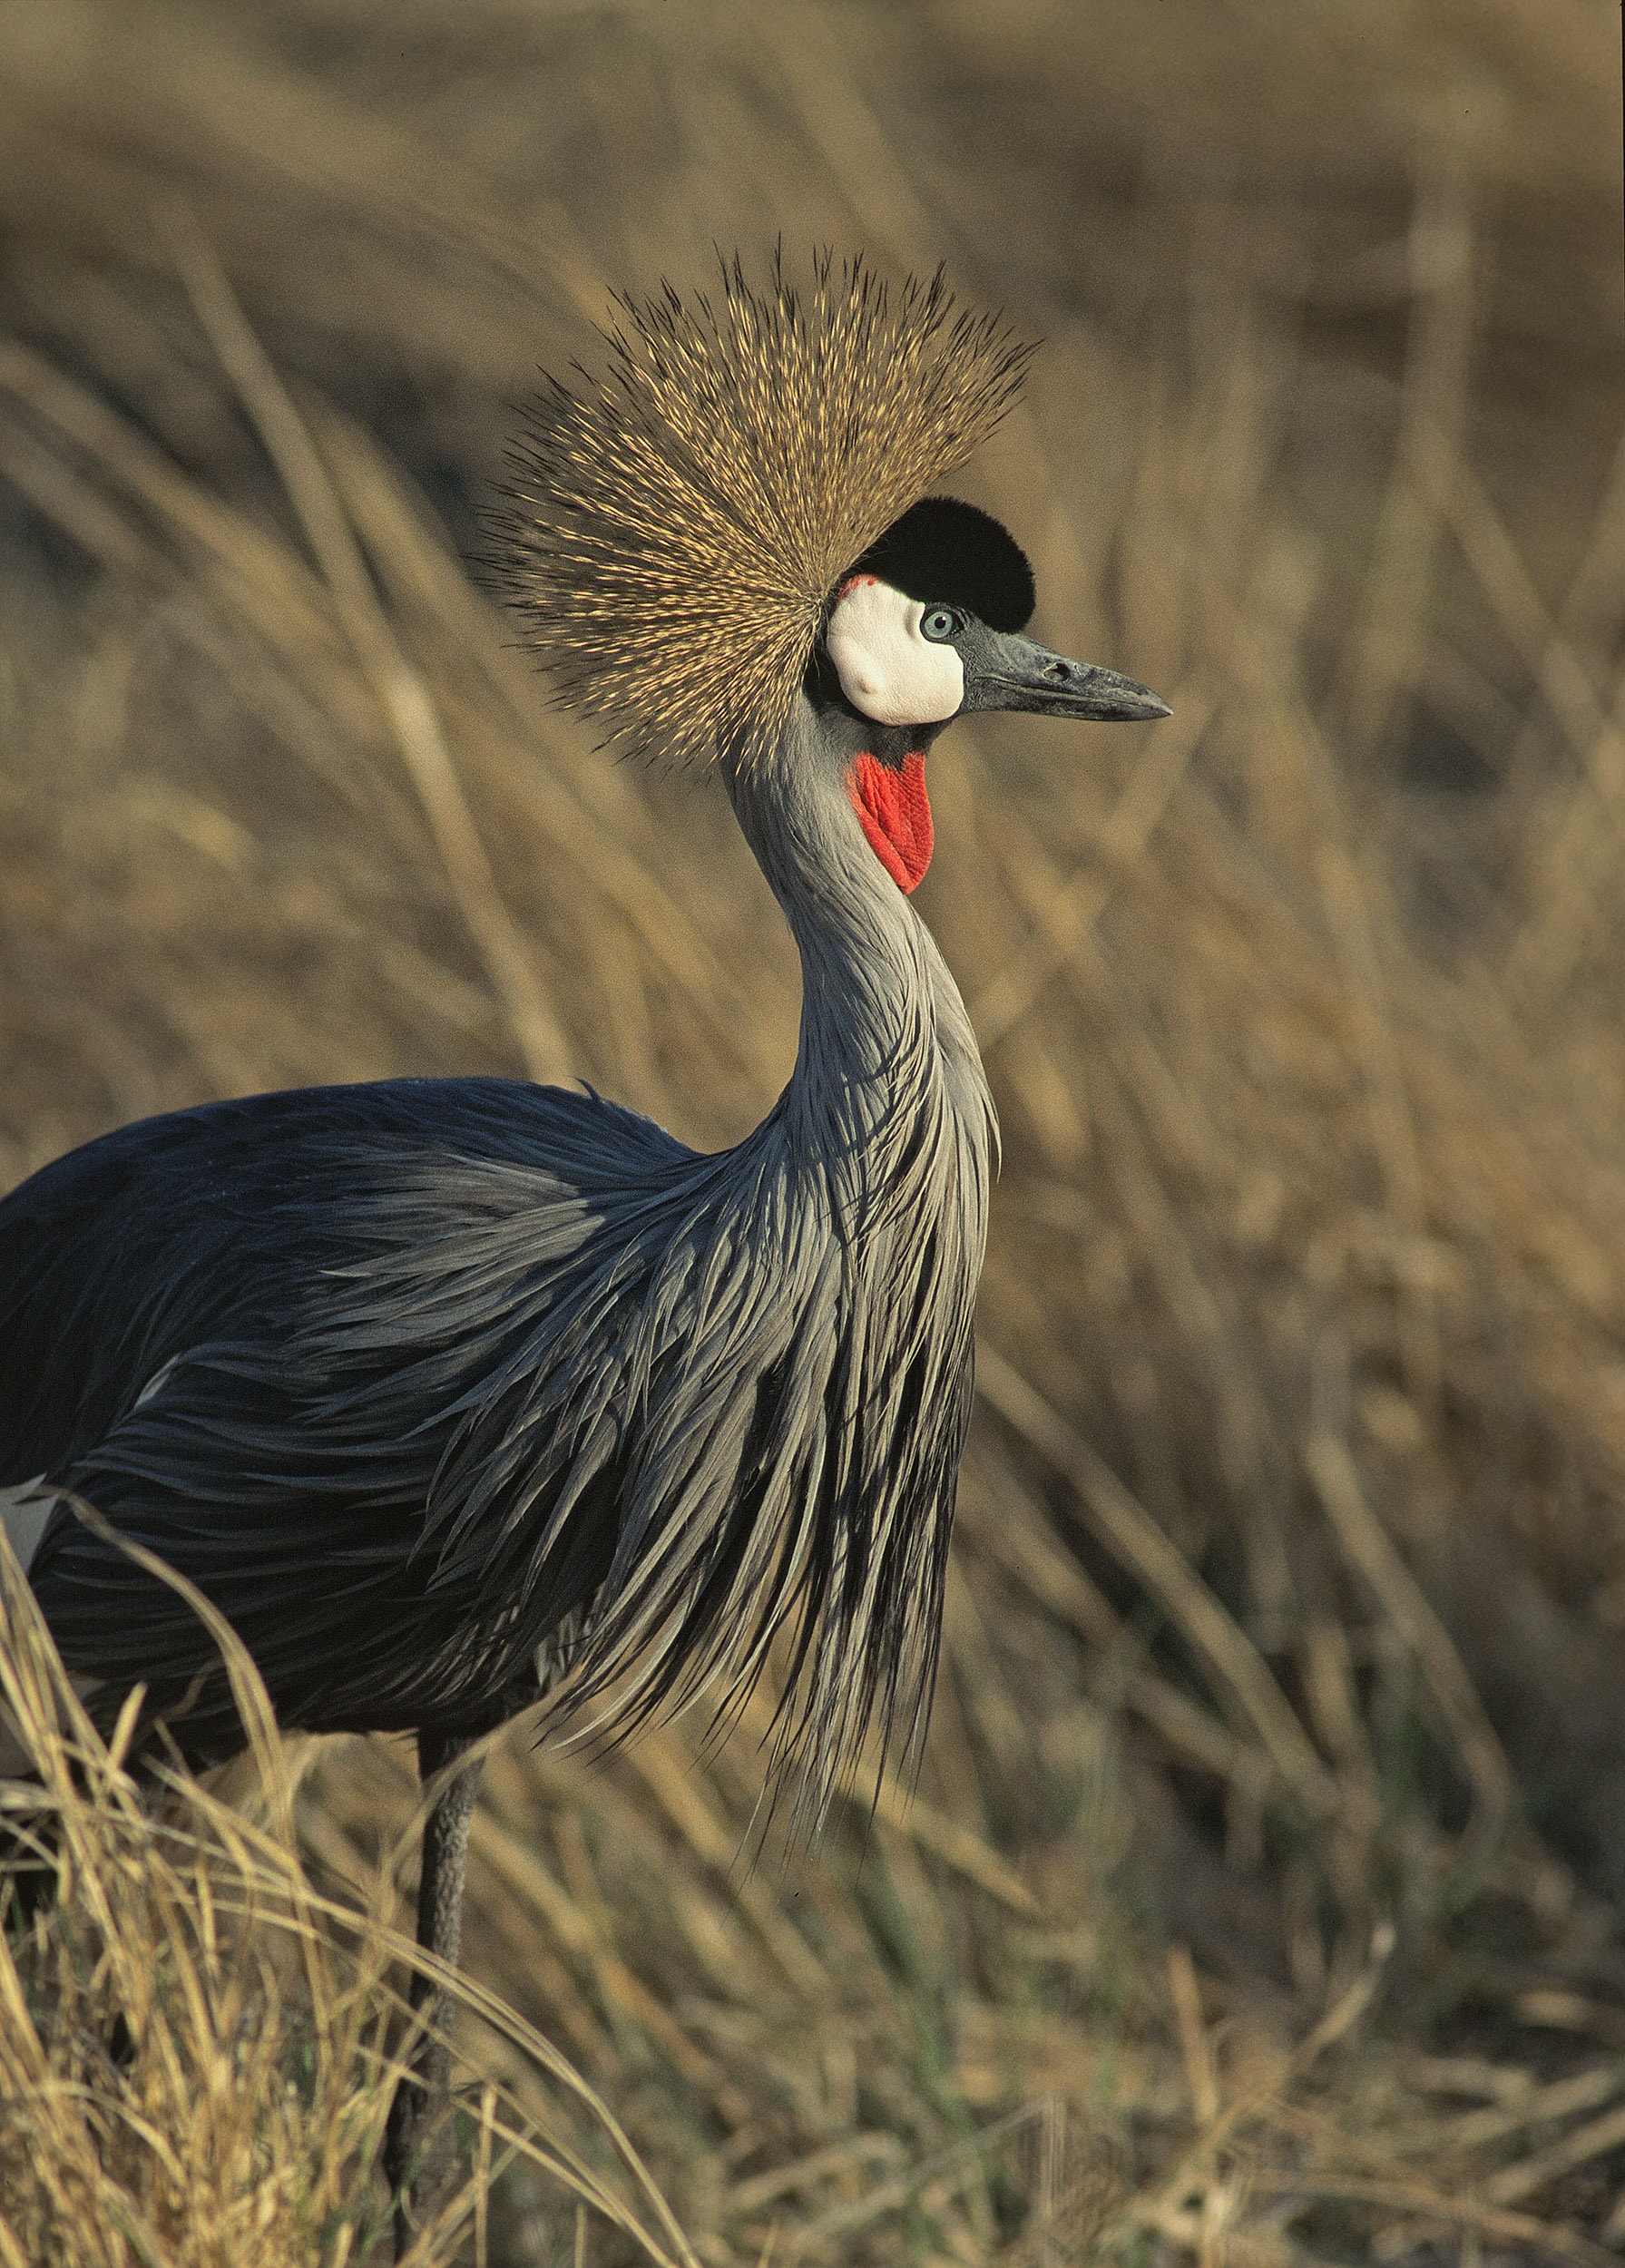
(895, 814)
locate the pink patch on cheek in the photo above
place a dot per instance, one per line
(894, 813)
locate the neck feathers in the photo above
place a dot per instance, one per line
(880, 1147)
(887, 1067)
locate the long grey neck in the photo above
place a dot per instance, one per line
(884, 1031)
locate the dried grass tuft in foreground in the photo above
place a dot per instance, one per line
(198, 2052)
(185, 2057)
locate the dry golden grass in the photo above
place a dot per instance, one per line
(198, 2051)
(1258, 1903)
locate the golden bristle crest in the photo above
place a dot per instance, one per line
(671, 533)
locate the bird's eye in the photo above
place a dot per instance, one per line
(939, 625)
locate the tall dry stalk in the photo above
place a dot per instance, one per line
(197, 2050)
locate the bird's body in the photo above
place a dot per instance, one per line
(423, 1378)
(441, 1389)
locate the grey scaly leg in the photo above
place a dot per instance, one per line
(418, 2142)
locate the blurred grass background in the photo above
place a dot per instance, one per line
(1258, 1903)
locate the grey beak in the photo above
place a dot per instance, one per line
(1009, 671)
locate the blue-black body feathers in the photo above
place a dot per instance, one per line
(439, 1387)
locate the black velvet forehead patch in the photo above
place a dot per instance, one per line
(944, 551)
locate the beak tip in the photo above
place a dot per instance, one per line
(1137, 703)
(1131, 704)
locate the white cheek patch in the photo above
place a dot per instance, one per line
(886, 669)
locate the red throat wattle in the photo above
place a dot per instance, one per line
(896, 815)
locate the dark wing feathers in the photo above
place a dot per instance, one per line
(327, 1275)
(187, 1229)
(460, 1370)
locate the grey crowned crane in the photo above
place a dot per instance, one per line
(445, 1390)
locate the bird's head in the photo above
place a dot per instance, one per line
(738, 513)
(929, 625)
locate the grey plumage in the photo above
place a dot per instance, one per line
(539, 1365)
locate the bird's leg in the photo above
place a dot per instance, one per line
(418, 2141)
